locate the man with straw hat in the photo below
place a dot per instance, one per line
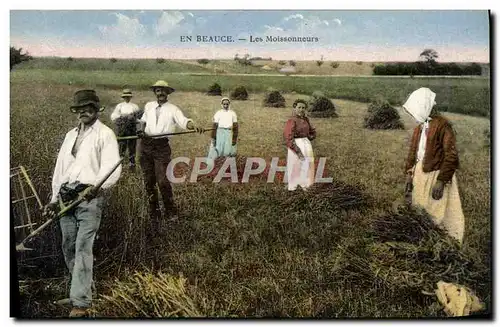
(125, 116)
(88, 153)
(160, 117)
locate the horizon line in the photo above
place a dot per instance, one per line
(262, 59)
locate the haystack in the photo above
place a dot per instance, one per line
(239, 93)
(321, 107)
(274, 99)
(381, 115)
(214, 89)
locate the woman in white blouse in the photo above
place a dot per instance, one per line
(225, 133)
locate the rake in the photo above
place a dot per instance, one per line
(65, 208)
(135, 137)
(21, 172)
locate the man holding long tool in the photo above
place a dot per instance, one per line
(160, 117)
(89, 152)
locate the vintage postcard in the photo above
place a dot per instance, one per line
(243, 164)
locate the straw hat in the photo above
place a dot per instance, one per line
(164, 85)
(126, 93)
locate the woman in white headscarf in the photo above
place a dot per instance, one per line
(431, 164)
(225, 132)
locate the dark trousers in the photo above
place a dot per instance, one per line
(155, 157)
(131, 146)
(127, 128)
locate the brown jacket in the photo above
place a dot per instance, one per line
(440, 150)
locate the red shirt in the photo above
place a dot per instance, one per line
(298, 127)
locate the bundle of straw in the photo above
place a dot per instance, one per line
(408, 253)
(328, 196)
(148, 295)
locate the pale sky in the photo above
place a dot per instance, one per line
(342, 35)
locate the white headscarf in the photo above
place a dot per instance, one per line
(419, 105)
(222, 100)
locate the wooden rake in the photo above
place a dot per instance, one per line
(22, 176)
(65, 208)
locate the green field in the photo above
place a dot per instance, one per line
(469, 96)
(129, 65)
(251, 250)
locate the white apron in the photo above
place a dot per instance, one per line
(447, 211)
(300, 173)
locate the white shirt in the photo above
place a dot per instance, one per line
(97, 154)
(423, 141)
(225, 118)
(79, 139)
(124, 109)
(162, 120)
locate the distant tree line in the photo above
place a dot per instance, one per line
(424, 68)
(260, 58)
(427, 66)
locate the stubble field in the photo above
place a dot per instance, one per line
(245, 250)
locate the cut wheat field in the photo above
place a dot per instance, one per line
(237, 249)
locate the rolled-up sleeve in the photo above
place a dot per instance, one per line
(116, 113)
(289, 132)
(180, 119)
(144, 115)
(312, 132)
(216, 118)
